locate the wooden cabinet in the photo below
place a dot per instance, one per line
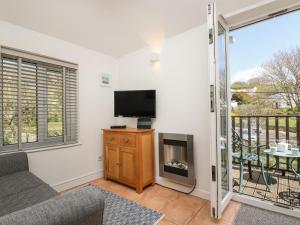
(112, 161)
(129, 156)
(127, 169)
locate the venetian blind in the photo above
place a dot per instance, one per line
(38, 100)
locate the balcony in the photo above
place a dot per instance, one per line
(269, 130)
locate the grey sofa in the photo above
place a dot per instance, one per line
(27, 200)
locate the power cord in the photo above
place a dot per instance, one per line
(194, 186)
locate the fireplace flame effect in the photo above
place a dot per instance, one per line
(176, 164)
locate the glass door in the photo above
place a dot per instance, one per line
(220, 129)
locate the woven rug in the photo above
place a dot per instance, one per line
(120, 211)
(249, 215)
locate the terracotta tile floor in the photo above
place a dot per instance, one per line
(178, 208)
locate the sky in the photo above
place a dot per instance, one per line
(255, 44)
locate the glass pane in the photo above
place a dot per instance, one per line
(10, 101)
(175, 156)
(223, 111)
(55, 103)
(29, 102)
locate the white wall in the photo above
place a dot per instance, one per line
(181, 81)
(66, 167)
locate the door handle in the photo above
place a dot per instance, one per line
(211, 36)
(212, 98)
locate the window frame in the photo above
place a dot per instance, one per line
(43, 140)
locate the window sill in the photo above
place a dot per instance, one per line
(50, 148)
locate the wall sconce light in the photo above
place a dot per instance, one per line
(155, 57)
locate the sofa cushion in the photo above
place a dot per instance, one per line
(84, 206)
(17, 182)
(13, 163)
(26, 198)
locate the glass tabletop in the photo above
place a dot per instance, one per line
(287, 154)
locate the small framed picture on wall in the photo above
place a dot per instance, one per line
(105, 79)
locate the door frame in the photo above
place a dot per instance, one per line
(237, 196)
(229, 196)
(240, 197)
(218, 204)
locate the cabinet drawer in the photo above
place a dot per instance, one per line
(111, 139)
(127, 140)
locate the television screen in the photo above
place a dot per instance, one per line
(135, 103)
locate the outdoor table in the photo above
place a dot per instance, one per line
(292, 197)
(289, 155)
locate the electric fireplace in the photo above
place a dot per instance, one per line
(176, 160)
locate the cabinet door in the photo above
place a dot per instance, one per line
(112, 161)
(127, 165)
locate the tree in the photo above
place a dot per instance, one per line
(241, 98)
(240, 85)
(283, 73)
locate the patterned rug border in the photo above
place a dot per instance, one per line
(125, 199)
(160, 219)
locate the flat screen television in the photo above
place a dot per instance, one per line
(141, 103)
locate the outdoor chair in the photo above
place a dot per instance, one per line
(249, 156)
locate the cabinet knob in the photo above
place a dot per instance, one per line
(126, 140)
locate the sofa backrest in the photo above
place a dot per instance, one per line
(12, 163)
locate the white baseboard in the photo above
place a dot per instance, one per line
(197, 192)
(77, 181)
(80, 180)
(201, 194)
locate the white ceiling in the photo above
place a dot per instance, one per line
(113, 27)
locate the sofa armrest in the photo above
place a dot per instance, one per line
(13, 163)
(83, 206)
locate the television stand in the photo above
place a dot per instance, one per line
(144, 123)
(129, 156)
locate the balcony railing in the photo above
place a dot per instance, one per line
(269, 130)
